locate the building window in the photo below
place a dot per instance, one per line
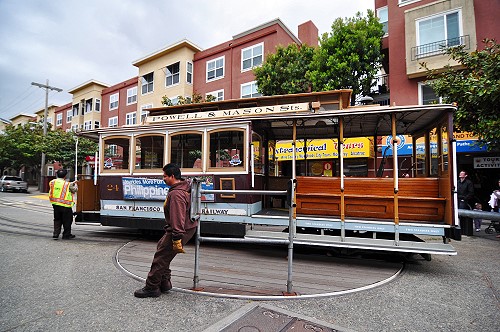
(113, 101)
(145, 113)
(87, 125)
(147, 83)
(172, 74)
(130, 118)
(113, 122)
(96, 124)
(74, 128)
(383, 16)
(59, 119)
(75, 110)
(215, 69)
(219, 94)
(189, 72)
(69, 116)
(427, 96)
(88, 105)
(97, 105)
(252, 56)
(436, 33)
(132, 95)
(249, 90)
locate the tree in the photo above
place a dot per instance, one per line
(285, 71)
(475, 87)
(350, 56)
(23, 146)
(60, 146)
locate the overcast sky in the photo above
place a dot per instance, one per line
(70, 42)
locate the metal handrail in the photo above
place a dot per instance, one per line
(196, 193)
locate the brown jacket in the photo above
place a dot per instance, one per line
(177, 209)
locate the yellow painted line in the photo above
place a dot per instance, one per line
(42, 196)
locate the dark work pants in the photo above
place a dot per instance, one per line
(63, 216)
(160, 268)
(466, 225)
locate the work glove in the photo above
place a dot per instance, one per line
(177, 246)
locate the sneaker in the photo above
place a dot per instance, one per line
(147, 292)
(478, 229)
(68, 237)
(166, 285)
(55, 237)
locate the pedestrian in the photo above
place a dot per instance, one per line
(179, 229)
(478, 221)
(495, 199)
(62, 200)
(465, 193)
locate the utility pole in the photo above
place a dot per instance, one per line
(47, 87)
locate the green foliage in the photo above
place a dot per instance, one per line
(285, 71)
(475, 87)
(350, 56)
(23, 146)
(60, 146)
(181, 100)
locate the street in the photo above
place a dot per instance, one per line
(73, 285)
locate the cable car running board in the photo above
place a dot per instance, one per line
(357, 243)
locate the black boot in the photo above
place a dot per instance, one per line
(147, 292)
(166, 285)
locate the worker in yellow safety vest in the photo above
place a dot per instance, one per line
(61, 197)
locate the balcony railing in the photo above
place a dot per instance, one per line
(439, 47)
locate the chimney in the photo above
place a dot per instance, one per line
(308, 33)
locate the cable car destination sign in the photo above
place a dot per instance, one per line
(237, 112)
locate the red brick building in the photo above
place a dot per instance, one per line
(119, 104)
(225, 70)
(416, 31)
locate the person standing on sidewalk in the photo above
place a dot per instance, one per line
(179, 229)
(465, 193)
(61, 197)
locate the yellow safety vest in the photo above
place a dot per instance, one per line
(59, 193)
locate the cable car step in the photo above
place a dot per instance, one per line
(358, 243)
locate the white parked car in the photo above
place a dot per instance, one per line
(13, 183)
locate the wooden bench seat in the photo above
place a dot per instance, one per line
(418, 198)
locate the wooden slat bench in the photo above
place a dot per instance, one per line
(372, 198)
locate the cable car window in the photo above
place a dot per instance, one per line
(149, 151)
(116, 153)
(421, 156)
(226, 148)
(186, 150)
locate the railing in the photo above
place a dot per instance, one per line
(439, 47)
(196, 212)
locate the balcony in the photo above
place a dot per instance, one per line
(439, 47)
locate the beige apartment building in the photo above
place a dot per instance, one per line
(166, 72)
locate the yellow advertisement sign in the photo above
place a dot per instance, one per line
(356, 147)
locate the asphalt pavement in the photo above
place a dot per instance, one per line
(73, 285)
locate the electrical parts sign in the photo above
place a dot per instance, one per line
(144, 189)
(487, 162)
